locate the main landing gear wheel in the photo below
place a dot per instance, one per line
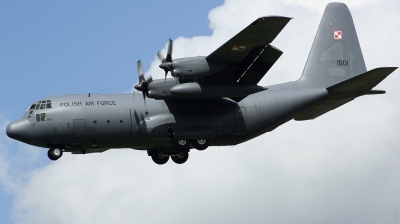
(182, 144)
(160, 158)
(200, 144)
(54, 153)
(180, 158)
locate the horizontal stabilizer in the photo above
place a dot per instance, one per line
(362, 83)
(346, 91)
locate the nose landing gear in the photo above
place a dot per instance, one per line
(55, 152)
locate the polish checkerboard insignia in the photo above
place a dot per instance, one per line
(337, 35)
(238, 48)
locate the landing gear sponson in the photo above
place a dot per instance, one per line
(179, 154)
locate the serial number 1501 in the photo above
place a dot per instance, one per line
(342, 62)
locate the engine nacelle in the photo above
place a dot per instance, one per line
(211, 90)
(194, 67)
(159, 89)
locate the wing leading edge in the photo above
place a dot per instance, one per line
(258, 34)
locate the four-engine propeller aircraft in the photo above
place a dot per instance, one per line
(210, 101)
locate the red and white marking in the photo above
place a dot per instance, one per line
(238, 48)
(337, 34)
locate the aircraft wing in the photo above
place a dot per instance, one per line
(248, 54)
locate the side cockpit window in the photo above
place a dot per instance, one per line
(41, 117)
(48, 104)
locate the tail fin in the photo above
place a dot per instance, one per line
(336, 54)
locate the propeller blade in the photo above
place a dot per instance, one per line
(160, 57)
(149, 79)
(140, 71)
(166, 63)
(169, 54)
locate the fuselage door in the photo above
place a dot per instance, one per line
(79, 128)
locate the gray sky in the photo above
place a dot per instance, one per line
(340, 168)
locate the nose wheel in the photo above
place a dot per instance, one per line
(55, 153)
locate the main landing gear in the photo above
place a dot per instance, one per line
(183, 144)
(162, 157)
(55, 152)
(180, 153)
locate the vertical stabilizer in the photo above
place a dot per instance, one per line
(336, 54)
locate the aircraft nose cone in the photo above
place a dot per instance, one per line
(19, 130)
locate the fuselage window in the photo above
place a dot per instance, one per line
(32, 107)
(37, 117)
(43, 117)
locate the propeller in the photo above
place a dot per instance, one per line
(166, 63)
(143, 85)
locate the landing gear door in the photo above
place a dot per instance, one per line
(240, 126)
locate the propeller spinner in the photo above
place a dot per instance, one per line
(143, 85)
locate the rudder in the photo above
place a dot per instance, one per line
(335, 55)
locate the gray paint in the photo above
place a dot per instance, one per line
(95, 123)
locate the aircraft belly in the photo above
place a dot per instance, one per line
(269, 109)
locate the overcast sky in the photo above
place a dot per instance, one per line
(343, 167)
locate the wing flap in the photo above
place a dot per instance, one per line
(259, 33)
(261, 65)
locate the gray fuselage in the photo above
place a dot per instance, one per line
(98, 122)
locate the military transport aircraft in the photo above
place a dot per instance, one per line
(209, 101)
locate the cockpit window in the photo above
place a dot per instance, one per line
(43, 104)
